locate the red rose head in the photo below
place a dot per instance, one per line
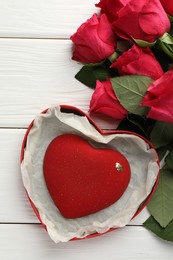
(94, 41)
(138, 61)
(105, 102)
(111, 8)
(143, 19)
(159, 98)
(168, 6)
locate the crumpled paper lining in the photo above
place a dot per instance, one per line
(142, 159)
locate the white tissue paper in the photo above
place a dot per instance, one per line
(142, 159)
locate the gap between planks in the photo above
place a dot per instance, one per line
(31, 223)
(12, 128)
(35, 38)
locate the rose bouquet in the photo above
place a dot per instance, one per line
(127, 55)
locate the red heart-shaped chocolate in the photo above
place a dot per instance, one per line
(82, 179)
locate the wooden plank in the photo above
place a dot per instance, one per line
(20, 242)
(35, 74)
(14, 203)
(43, 18)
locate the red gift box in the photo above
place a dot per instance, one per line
(68, 110)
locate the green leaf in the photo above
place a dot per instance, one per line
(162, 58)
(130, 90)
(166, 38)
(127, 125)
(142, 43)
(161, 204)
(170, 18)
(89, 74)
(162, 134)
(162, 151)
(138, 121)
(93, 64)
(164, 233)
(166, 44)
(169, 160)
(168, 49)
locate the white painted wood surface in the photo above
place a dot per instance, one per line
(35, 74)
(36, 71)
(43, 18)
(32, 242)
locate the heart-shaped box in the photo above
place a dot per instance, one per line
(140, 153)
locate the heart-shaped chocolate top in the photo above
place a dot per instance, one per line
(82, 179)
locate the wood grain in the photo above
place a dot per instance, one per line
(43, 19)
(32, 242)
(36, 74)
(14, 203)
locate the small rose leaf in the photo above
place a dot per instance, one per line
(129, 125)
(130, 90)
(138, 121)
(89, 74)
(164, 233)
(161, 204)
(161, 134)
(143, 44)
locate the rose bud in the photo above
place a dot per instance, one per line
(159, 98)
(140, 61)
(105, 102)
(144, 20)
(168, 6)
(94, 40)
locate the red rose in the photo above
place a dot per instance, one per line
(94, 40)
(105, 102)
(111, 8)
(143, 19)
(139, 61)
(168, 6)
(159, 98)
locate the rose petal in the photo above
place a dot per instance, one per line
(160, 98)
(104, 101)
(139, 61)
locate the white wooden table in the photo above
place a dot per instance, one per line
(36, 71)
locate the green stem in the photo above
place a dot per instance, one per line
(166, 44)
(112, 58)
(166, 49)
